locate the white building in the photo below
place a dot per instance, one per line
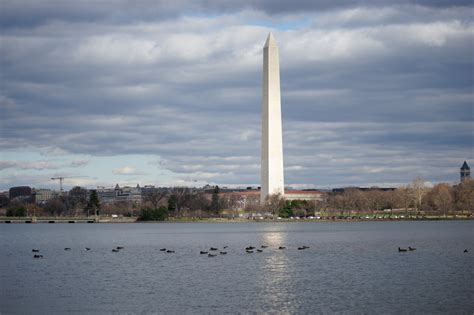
(117, 193)
(43, 195)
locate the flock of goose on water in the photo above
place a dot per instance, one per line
(214, 251)
(211, 252)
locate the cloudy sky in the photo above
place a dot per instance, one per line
(169, 92)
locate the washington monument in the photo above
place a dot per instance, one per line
(272, 145)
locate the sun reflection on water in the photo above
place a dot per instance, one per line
(276, 273)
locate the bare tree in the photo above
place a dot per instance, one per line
(180, 197)
(442, 198)
(338, 203)
(55, 206)
(273, 204)
(404, 197)
(417, 191)
(321, 206)
(154, 197)
(251, 203)
(357, 200)
(464, 196)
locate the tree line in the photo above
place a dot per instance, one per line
(412, 200)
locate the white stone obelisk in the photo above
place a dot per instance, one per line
(272, 141)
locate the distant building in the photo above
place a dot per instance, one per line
(3, 198)
(308, 195)
(342, 190)
(465, 172)
(126, 193)
(23, 193)
(43, 195)
(107, 194)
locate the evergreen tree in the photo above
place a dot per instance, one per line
(150, 214)
(94, 204)
(172, 203)
(215, 203)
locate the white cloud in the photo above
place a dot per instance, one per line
(126, 170)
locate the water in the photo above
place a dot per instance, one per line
(349, 267)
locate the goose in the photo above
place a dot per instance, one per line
(303, 247)
(170, 251)
(249, 251)
(225, 247)
(402, 249)
(466, 250)
(163, 249)
(87, 248)
(259, 250)
(212, 248)
(115, 250)
(264, 246)
(38, 256)
(67, 248)
(249, 248)
(211, 255)
(120, 247)
(202, 252)
(411, 248)
(281, 247)
(35, 250)
(223, 253)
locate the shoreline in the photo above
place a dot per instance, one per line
(69, 220)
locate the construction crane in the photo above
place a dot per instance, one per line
(60, 183)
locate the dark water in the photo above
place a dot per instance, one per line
(349, 267)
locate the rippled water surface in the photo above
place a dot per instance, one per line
(349, 267)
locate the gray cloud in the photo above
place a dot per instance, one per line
(27, 165)
(370, 98)
(79, 163)
(27, 14)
